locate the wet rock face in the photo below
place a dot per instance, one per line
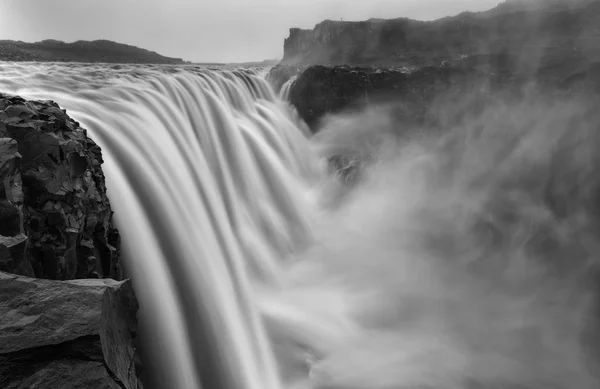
(55, 216)
(321, 90)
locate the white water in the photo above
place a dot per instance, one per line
(284, 93)
(256, 270)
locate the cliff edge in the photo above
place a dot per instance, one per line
(525, 30)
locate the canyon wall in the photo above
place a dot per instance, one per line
(523, 32)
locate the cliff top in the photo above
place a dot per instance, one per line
(80, 51)
(516, 27)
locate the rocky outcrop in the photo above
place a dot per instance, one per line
(53, 334)
(37, 312)
(515, 27)
(321, 90)
(118, 333)
(55, 217)
(80, 51)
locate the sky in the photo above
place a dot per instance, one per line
(203, 30)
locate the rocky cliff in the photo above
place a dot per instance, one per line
(55, 217)
(513, 28)
(68, 334)
(80, 51)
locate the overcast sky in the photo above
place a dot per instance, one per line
(203, 30)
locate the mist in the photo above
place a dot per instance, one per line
(456, 259)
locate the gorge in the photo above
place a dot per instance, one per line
(345, 224)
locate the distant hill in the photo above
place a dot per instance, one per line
(530, 30)
(81, 51)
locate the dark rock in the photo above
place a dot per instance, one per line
(75, 364)
(320, 90)
(37, 312)
(119, 335)
(68, 334)
(52, 193)
(417, 95)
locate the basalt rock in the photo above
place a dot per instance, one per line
(37, 312)
(418, 94)
(529, 32)
(75, 364)
(55, 216)
(68, 334)
(119, 335)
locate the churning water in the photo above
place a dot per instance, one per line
(461, 260)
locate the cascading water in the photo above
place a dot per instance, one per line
(254, 269)
(207, 176)
(284, 93)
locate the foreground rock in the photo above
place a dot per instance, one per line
(55, 218)
(118, 332)
(71, 365)
(36, 312)
(53, 334)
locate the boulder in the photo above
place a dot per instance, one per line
(56, 218)
(37, 312)
(68, 334)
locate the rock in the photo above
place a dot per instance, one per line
(68, 334)
(52, 193)
(74, 364)
(418, 94)
(118, 333)
(37, 312)
(320, 90)
(529, 33)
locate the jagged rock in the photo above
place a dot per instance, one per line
(68, 334)
(118, 332)
(37, 312)
(56, 218)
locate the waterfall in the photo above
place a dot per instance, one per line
(284, 93)
(457, 259)
(208, 178)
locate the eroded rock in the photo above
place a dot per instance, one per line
(68, 334)
(56, 218)
(119, 335)
(37, 312)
